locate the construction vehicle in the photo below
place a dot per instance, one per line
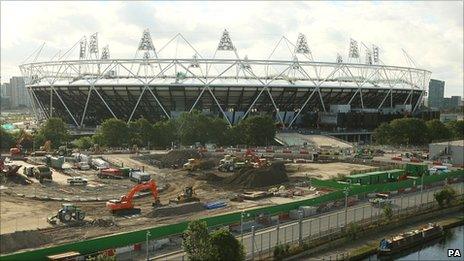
(77, 181)
(16, 153)
(68, 212)
(42, 173)
(54, 162)
(230, 164)
(138, 175)
(381, 199)
(125, 206)
(110, 173)
(192, 164)
(252, 159)
(188, 195)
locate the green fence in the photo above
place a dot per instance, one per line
(130, 238)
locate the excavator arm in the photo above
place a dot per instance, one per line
(125, 204)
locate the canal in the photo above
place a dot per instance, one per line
(433, 250)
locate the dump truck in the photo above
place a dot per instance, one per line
(192, 164)
(77, 181)
(67, 213)
(110, 173)
(42, 173)
(139, 176)
(230, 164)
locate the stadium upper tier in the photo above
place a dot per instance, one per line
(156, 85)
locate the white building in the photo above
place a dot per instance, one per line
(450, 151)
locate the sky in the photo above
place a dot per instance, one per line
(430, 32)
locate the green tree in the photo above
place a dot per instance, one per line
(408, 131)
(257, 130)
(217, 131)
(164, 132)
(445, 196)
(225, 246)
(7, 140)
(54, 130)
(457, 129)
(141, 132)
(388, 212)
(83, 143)
(196, 242)
(194, 127)
(383, 133)
(113, 133)
(437, 131)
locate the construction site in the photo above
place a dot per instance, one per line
(50, 199)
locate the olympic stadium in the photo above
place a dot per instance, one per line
(92, 86)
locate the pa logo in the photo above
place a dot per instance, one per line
(454, 252)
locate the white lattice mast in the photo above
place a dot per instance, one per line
(225, 45)
(105, 55)
(375, 54)
(147, 48)
(93, 52)
(302, 47)
(353, 53)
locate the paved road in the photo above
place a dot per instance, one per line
(289, 232)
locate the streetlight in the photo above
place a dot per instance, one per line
(243, 214)
(345, 191)
(422, 187)
(147, 235)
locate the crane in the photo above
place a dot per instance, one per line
(125, 206)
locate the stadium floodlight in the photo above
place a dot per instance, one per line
(296, 64)
(105, 53)
(245, 64)
(368, 57)
(146, 43)
(302, 45)
(93, 44)
(339, 58)
(225, 44)
(194, 63)
(375, 50)
(146, 55)
(354, 53)
(83, 48)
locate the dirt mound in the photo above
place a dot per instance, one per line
(21, 240)
(254, 178)
(174, 157)
(100, 222)
(208, 176)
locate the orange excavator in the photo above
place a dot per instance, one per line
(254, 160)
(125, 206)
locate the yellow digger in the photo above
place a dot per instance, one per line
(188, 195)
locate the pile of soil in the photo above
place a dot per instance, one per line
(21, 240)
(172, 158)
(259, 177)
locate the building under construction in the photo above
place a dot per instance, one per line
(353, 93)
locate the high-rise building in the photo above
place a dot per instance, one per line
(451, 103)
(5, 95)
(436, 93)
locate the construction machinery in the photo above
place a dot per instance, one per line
(253, 159)
(68, 213)
(192, 164)
(125, 205)
(77, 181)
(188, 195)
(230, 164)
(42, 173)
(16, 153)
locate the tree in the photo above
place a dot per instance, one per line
(54, 130)
(194, 127)
(83, 143)
(164, 132)
(437, 131)
(383, 133)
(457, 129)
(217, 131)
(388, 212)
(226, 246)
(113, 133)
(7, 140)
(445, 196)
(196, 242)
(257, 130)
(141, 132)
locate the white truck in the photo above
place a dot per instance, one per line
(99, 164)
(139, 176)
(77, 181)
(381, 200)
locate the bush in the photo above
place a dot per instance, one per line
(281, 251)
(445, 196)
(352, 231)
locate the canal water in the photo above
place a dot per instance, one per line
(433, 250)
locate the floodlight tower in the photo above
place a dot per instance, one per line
(353, 53)
(105, 55)
(146, 46)
(375, 52)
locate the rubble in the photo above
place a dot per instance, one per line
(249, 177)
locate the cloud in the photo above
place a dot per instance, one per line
(431, 32)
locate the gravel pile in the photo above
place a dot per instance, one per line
(249, 177)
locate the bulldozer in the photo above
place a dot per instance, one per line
(230, 164)
(188, 195)
(67, 213)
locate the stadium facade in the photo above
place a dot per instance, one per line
(351, 94)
